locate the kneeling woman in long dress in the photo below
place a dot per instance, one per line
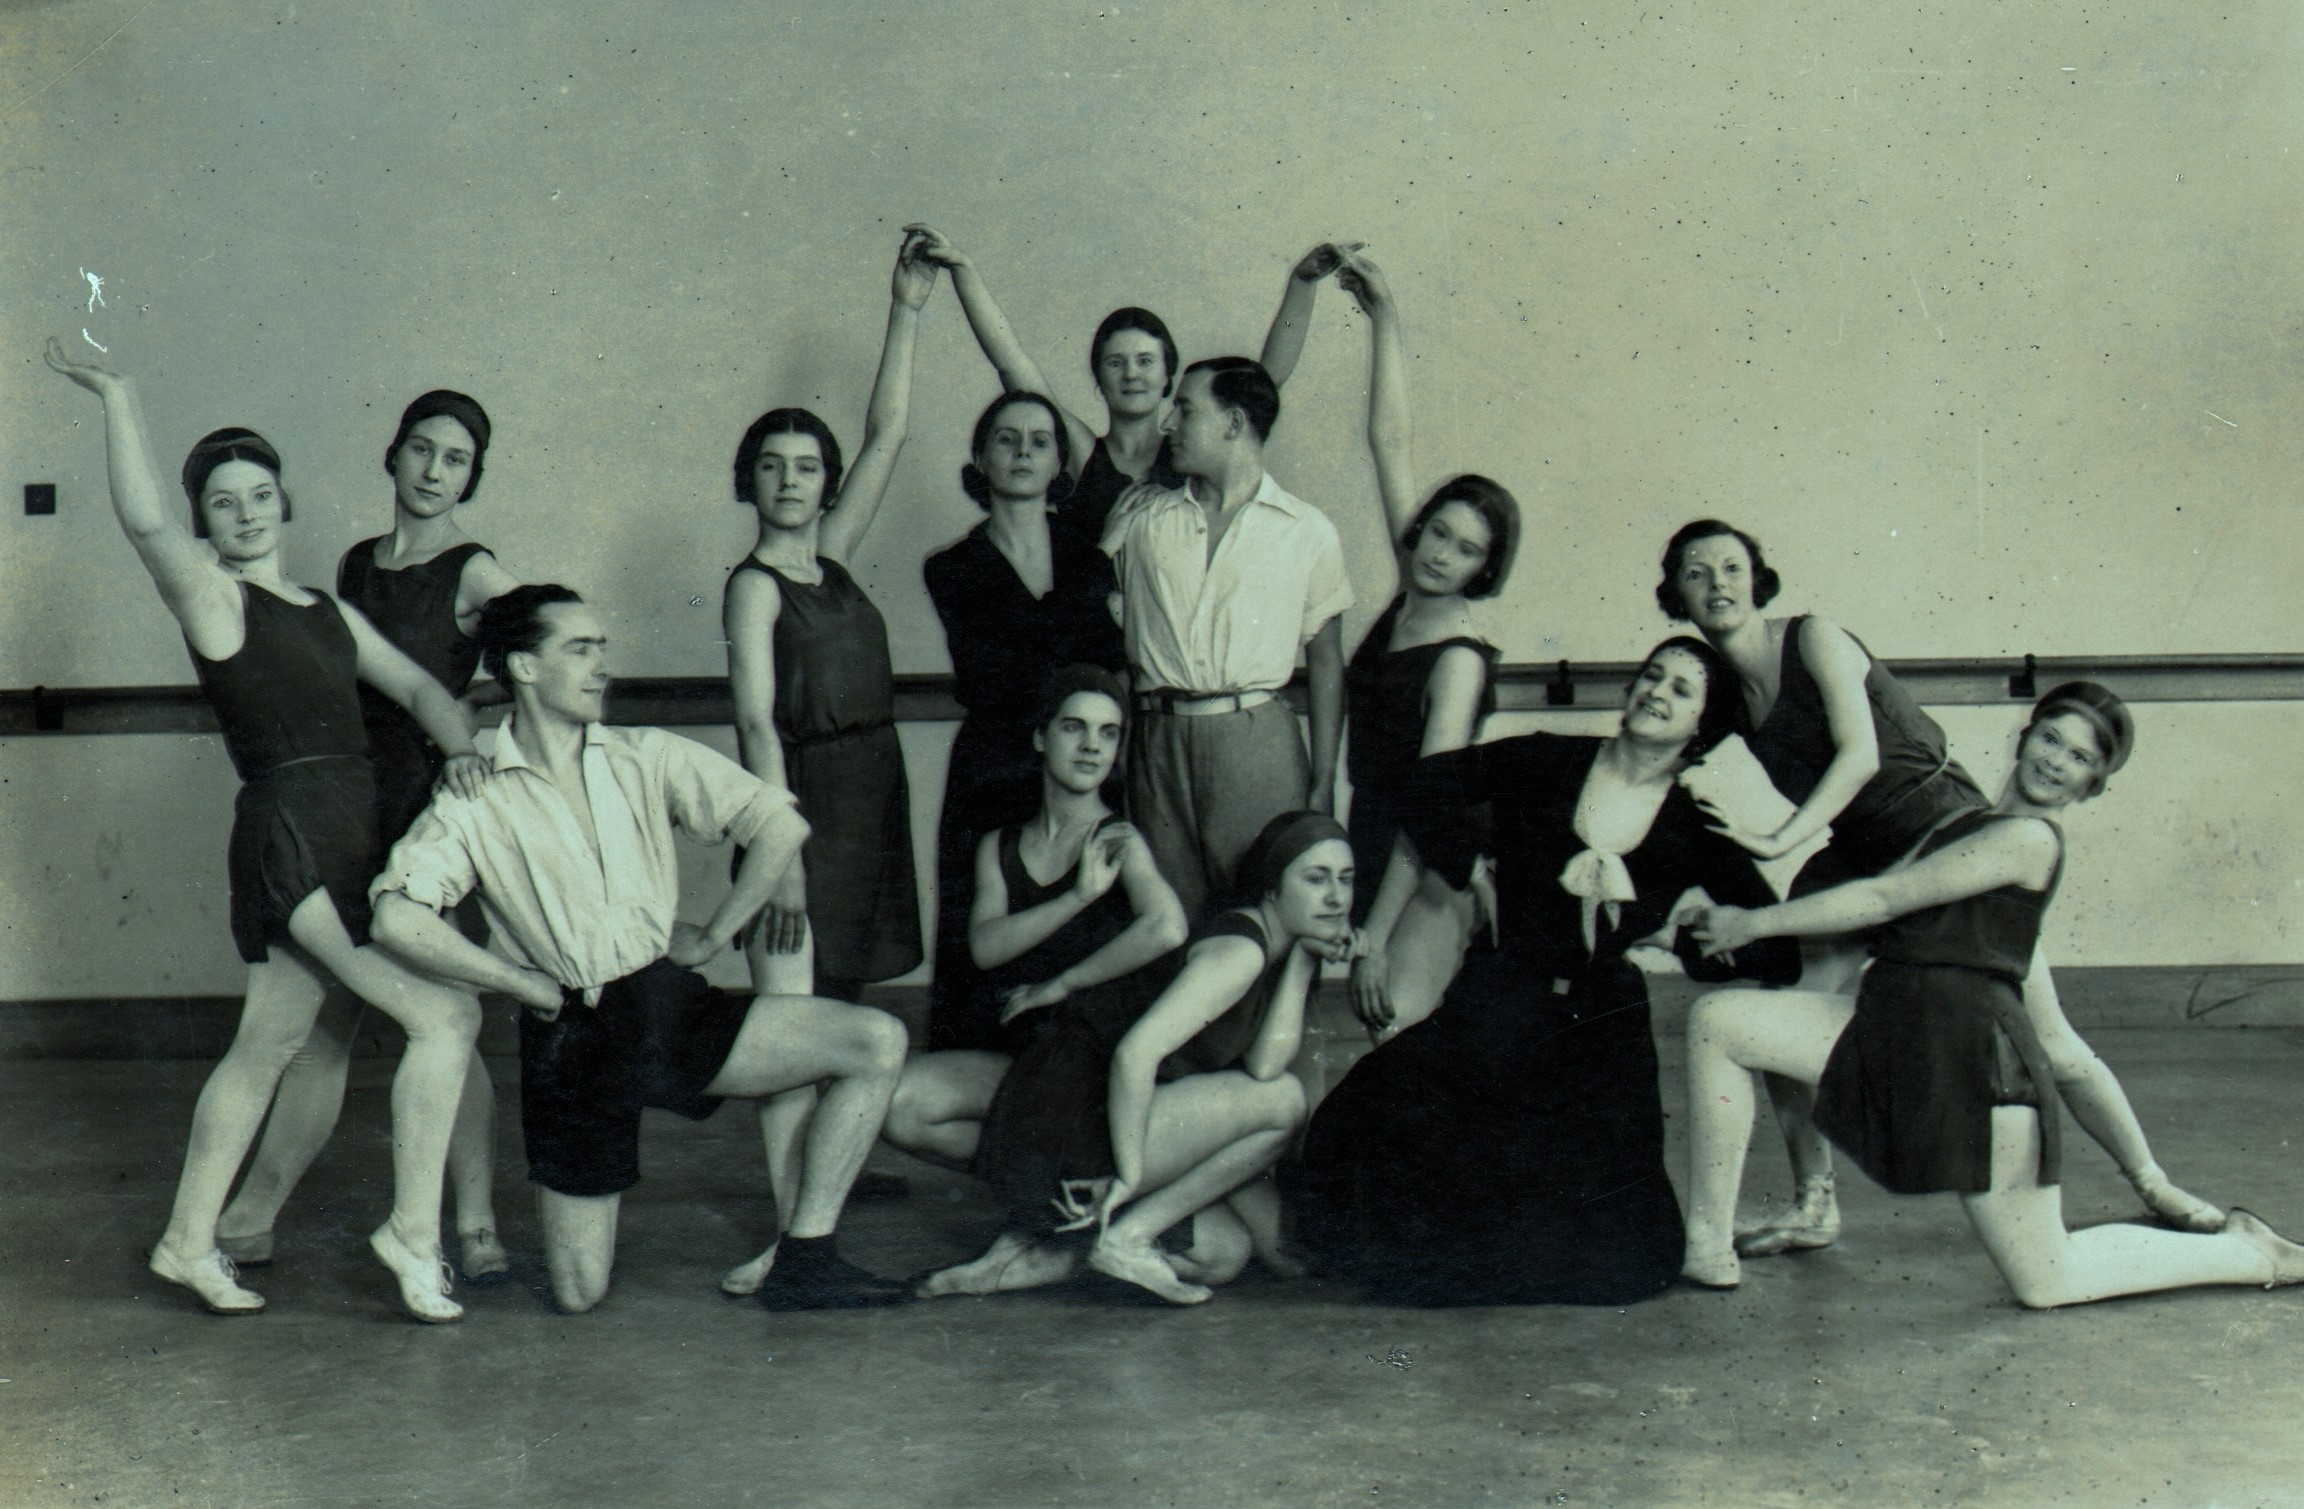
(1132, 1118)
(1509, 1149)
(1935, 1080)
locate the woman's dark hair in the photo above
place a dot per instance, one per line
(977, 486)
(2101, 709)
(230, 444)
(1502, 513)
(514, 622)
(1132, 318)
(1284, 838)
(1065, 682)
(1724, 710)
(465, 411)
(1765, 582)
(787, 422)
(1240, 382)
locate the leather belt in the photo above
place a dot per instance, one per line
(1192, 705)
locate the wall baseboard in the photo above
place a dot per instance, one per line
(171, 1027)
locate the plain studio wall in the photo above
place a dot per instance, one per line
(1981, 316)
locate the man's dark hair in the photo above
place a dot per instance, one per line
(515, 622)
(1240, 382)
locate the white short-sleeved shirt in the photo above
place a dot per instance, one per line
(551, 903)
(1235, 623)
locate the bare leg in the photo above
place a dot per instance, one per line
(1209, 1134)
(472, 1173)
(790, 974)
(938, 1109)
(1731, 1033)
(1426, 950)
(1257, 1204)
(1829, 966)
(305, 1108)
(2022, 1226)
(579, 1245)
(1220, 1246)
(783, 1117)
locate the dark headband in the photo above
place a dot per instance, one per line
(1280, 845)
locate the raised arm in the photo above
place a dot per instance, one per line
(888, 414)
(447, 722)
(195, 588)
(1324, 684)
(1284, 341)
(1391, 432)
(2018, 853)
(1019, 373)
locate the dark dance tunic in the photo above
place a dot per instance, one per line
(1918, 784)
(1940, 1037)
(1080, 518)
(836, 717)
(415, 608)
(1384, 688)
(305, 818)
(1003, 642)
(1051, 1120)
(1096, 924)
(1509, 1149)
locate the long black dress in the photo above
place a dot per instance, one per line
(305, 818)
(836, 716)
(1509, 1149)
(1003, 642)
(1917, 786)
(1051, 1120)
(1384, 689)
(1940, 1037)
(415, 608)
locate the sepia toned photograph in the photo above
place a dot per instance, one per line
(1398, 754)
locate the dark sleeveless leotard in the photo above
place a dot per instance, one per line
(836, 715)
(1940, 1037)
(1097, 924)
(415, 608)
(1917, 786)
(1080, 518)
(1384, 689)
(305, 817)
(1051, 1120)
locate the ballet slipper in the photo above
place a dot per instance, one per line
(1145, 1269)
(1710, 1266)
(2286, 1257)
(2173, 1206)
(251, 1251)
(484, 1259)
(211, 1276)
(979, 1275)
(744, 1280)
(1811, 1223)
(424, 1278)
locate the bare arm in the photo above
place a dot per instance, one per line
(1158, 928)
(1839, 665)
(1218, 973)
(1284, 341)
(1324, 673)
(484, 580)
(2003, 854)
(417, 934)
(1019, 373)
(1282, 1034)
(203, 599)
(888, 414)
(748, 617)
(1391, 431)
(447, 722)
(1452, 696)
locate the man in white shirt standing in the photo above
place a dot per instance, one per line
(570, 848)
(1222, 583)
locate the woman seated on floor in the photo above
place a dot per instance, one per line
(1934, 1079)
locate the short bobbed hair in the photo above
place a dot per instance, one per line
(2101, 709)
(1495, 505)
(1065, 682)
(1765, 582)
(231, 443)
(978, 487)
(1280, 845)
(465, 410)
(1129, 317)
(1724, 710)
(788, 422)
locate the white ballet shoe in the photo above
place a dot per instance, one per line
(1813, 1222)
(1711, 1267)
(251, 1251)
(1145, 1269)
(2286, 1257)
(483, 1257)
(211, 1276)
(2173, 1206)
(424, 1279)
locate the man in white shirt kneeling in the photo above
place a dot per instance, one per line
(570, 847)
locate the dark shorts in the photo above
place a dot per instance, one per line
(302, 827)
(657, 1038)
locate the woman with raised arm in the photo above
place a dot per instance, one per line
(814, 692)
(1935, 1079)
(422, 586)
(1018, 601)
(279, 664)
(1509, 1149)
(1422, 679)
(1129, 1117)
(1133, 360)
(1841, 738)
